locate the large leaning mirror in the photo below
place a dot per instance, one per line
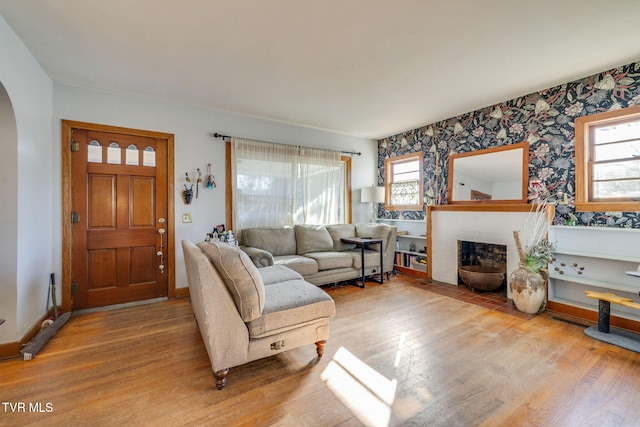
(494, 175)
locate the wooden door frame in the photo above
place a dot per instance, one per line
(67, 227)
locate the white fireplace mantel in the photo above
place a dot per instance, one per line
(474, 225)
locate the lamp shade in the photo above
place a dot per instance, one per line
(372, 195)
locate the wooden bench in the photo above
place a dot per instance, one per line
(604, 306)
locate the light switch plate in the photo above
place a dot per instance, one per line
(187, 217)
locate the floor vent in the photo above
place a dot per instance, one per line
(571, 322)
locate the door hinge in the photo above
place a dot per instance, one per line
(75, 146)
(75, 217)
(74, 288)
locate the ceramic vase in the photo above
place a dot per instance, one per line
(528, 289)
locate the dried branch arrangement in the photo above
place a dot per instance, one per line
(534, 250)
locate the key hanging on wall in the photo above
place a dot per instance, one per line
(198, 181)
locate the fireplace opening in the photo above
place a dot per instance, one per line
(482, 266)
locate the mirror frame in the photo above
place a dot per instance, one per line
(525, 174)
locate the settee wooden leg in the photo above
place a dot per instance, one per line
(221, 378)
(320, 348)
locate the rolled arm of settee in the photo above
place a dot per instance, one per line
(259, 257)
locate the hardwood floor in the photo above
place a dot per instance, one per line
(399, 354)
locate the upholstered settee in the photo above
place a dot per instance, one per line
(245, 313)
(317, 252)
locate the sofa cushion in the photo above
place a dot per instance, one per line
(276, 240)
(277, 273)
(298, 263)
(331, 260)
(375, 231)
(240, 275)
(289, 305)
(340, 231)
(371, 258)
(312, 238)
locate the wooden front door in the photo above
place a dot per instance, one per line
(119, 203)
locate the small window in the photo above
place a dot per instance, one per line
(94, 152)
(608, 161)
(131, 155)
(149, 157)
(403, 186)
(114, 156)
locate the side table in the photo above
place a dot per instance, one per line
(363, 242)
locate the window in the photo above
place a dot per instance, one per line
(403, 186)
(608, 161)
(276, 184)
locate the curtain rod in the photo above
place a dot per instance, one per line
(221, 136)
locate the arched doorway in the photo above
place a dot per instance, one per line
(9, 218)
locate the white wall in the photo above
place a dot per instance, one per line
(194, 148)
(25, 173)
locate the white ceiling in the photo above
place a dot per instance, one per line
(368, 68)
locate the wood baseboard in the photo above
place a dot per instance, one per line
(410, 271)
(12, 349)
(592, 315)
(8, 350)
(182, 292)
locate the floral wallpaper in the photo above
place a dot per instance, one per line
(545, 119)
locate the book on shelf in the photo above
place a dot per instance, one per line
(405, 259)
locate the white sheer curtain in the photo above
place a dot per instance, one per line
(322, 184)
(278, 184)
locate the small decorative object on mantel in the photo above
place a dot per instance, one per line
(528, 282)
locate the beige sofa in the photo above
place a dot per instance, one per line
(245, 313)
(317, 252)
